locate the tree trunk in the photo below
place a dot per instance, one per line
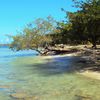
(94, 41)
(42, 52)
(94, 45)
(39, 51)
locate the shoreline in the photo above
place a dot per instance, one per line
(87, 73)
(90, 74)
(60, 55)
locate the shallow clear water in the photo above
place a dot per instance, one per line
(24, 76)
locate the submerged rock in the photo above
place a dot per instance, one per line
(23, 96)
(19, 95)
(82, 97)
(32, 98)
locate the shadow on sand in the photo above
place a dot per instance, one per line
(55, 66)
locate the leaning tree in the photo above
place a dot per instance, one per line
(35, 36)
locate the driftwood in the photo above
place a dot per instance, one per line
(56, 51)
(63, 51)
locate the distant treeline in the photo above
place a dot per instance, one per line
(4, 45)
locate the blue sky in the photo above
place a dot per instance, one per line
(15, 14)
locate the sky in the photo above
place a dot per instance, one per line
(15, 14)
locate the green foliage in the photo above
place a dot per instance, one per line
(85, 23)
(65, 30)
(35, 36)
(82, 26)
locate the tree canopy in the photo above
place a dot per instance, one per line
(35, 36)
(82, 26)
(85, 22)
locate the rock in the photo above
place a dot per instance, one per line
(23, 96)
(51, 53)
(82, 61)
(19, 95)
(32, 98)
(85, 46)
(81, 97)
(98, 58)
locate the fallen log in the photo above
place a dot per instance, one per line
(55, 51)
(63, 51)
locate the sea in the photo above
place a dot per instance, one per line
(24, 75)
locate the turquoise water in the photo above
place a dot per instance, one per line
(25, 76)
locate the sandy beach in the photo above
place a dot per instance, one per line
(86, 73)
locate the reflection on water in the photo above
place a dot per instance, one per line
(24, 76)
